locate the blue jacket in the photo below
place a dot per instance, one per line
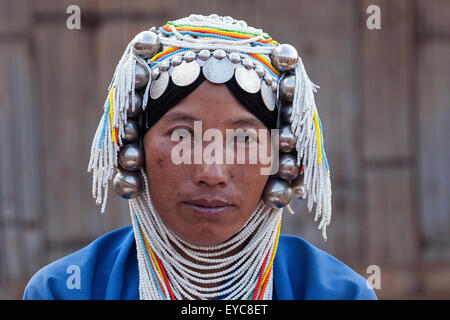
(107, 269)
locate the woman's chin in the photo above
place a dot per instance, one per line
(205, 237)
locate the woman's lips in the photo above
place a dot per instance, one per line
(208, 209)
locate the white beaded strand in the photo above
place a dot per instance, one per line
(181, 272)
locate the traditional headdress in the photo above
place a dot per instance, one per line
(218, 48)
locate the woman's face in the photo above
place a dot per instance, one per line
(204, 203)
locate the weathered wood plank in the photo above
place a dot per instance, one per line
(67, 77)
(434, 118)
(387, 61)
(14, 18)
(433, 18)
(21, 209)
(391, 234)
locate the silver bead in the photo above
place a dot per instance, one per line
(219, 54)
(176, 60)
(268, 79)
(213, 16)
(131, 157)
(298, 187)
(189, 56)
(277, 193)
(274, 85)
(234, 57)
(137, 106)
(228, 19)
(287, 139)
(155, 73)
(285, 114)
(242, 23)
(128, 184)
(141, 76)
(284, 57)
(248, 63)
(146, 44)
(288, 169)
(204, 54)
(165, 65)
(132, 131)
(287, 88)
(260, 70)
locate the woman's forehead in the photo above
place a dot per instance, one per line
(212, 102)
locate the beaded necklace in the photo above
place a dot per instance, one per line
(164, 274)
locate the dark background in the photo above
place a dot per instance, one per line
(384, 104)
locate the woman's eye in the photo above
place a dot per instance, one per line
(245, 138)
(179, 132)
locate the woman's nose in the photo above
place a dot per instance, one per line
(211, 174)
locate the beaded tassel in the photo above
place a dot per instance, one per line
(110, 131)
(307, 127)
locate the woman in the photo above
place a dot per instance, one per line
(230, 132)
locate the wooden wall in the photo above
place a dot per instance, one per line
(384, 102)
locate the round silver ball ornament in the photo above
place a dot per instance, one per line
(131, 157)
(277, 193)
(137, 106)
(131, 131)
(141, 76)
(219, 54)
(287, 88)
(288, 168)
(176, 60)
(146, 44)
(204, 54)
(248, 63)
(285, 114)
(274, 85)
(189, 56)
(260, 70)
(234, 57)
(287, 139)
(155, 73)
(268, 79)
(284, 57)
(165, 65)
(128, 184)
(298, 186)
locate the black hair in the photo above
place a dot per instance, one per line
(173, 94)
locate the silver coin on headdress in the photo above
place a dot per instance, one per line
(159, 85)
(185, 73)
(268, 96)
(247, 79)
(218, 71)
